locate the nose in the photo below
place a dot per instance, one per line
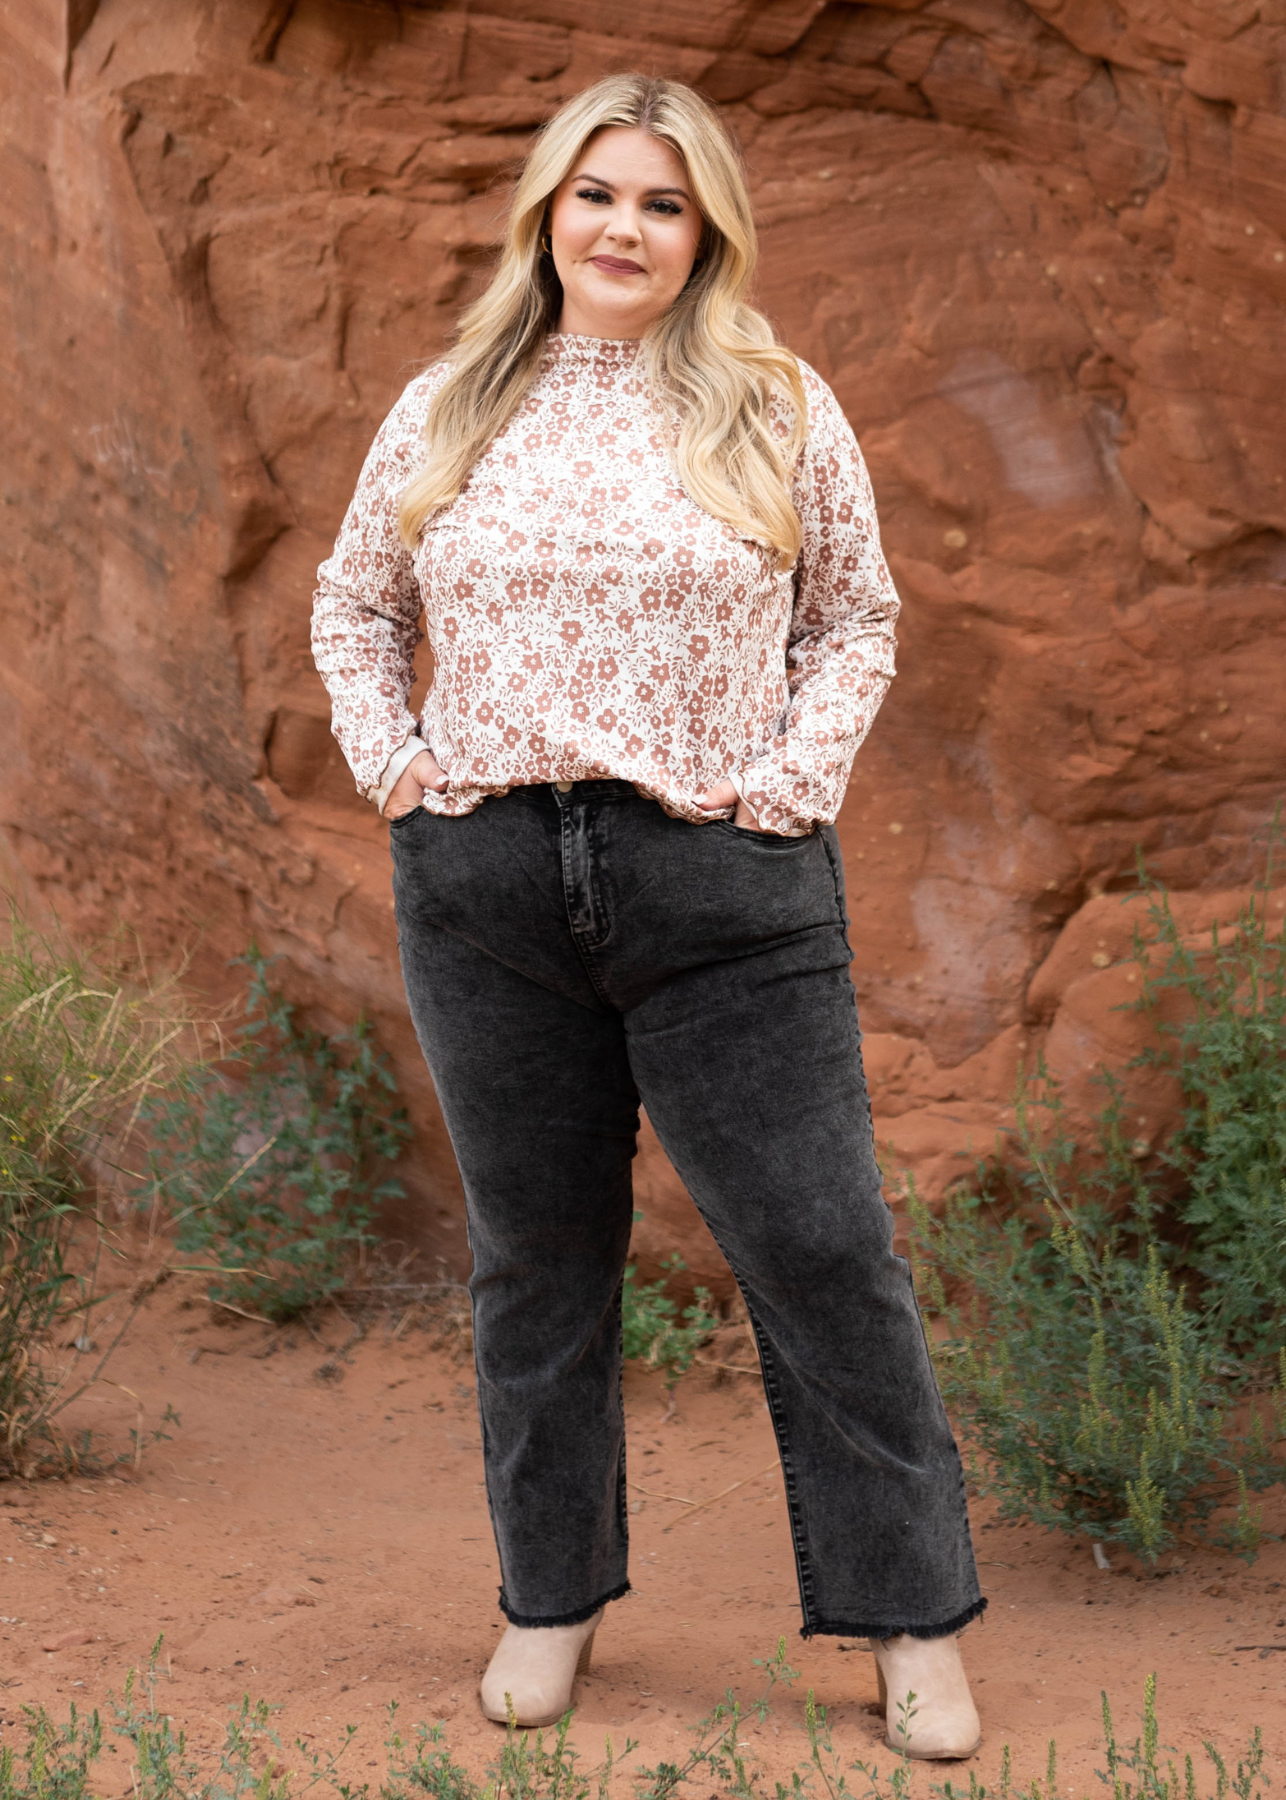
(623, 226)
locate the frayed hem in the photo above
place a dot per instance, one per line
(569, 1618)
(946, 1629)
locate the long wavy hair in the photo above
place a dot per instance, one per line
(711, 360)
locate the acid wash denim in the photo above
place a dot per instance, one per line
(566, 956)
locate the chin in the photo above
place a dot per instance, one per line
(624, 316)
(609, 295)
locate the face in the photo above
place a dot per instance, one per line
(625, 230)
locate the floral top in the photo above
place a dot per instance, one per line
(588, 619)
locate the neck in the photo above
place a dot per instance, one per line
(573, 322)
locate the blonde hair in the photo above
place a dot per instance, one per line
(711, 360)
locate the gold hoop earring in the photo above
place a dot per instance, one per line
(547, 244)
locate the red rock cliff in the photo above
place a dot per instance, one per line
(1038, 249)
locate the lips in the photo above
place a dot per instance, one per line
(617, 265)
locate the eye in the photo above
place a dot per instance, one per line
(670, 209)
(595, 195)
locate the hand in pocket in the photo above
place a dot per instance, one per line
(409, 789)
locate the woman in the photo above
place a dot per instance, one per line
(644, 539)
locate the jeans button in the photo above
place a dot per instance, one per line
(564, 787)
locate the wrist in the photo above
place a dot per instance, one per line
(396, 766)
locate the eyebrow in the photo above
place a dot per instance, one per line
(599, 181)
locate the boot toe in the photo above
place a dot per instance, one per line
(533, 1673)
(924, 1687)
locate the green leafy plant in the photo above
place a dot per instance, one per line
(720, 1752)
(540, 1769)
(163, 1768)
(79, 1055)
(654, 1330)
(1087, 1390)
(56, 1762)
(273, 1164)
(1135, 1772)
(826, 1772)
(529, 1767)
(1109, 1317)
(1227, 1046)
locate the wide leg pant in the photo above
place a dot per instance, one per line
(566, 955)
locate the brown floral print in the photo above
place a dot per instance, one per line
(588, 619)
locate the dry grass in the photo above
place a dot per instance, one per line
(81, 1051)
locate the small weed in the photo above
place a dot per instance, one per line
(533, 1769)
(272, 1179)
(719, 1751)
(79, 1055)
(143, 1440)
(1137, 1773)
(653, 1330)
(163, 1767)
(273, 1165)
(56, 1762)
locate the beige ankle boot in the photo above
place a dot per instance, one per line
(941, 1721)
(536, 1667)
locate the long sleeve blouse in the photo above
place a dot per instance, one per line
(588, 619)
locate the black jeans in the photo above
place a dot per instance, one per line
(566, 955)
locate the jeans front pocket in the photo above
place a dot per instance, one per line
(772, 839)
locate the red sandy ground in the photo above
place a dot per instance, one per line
(358, 1501)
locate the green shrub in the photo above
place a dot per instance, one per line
(1114, 1317)
(79, 1055)
(272, 1164)
(653, 1330)
(1229, 1053)
(1089, 1394)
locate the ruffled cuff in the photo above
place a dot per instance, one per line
(780, 801)
(393, 768)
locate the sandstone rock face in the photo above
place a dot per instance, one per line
(1038, 249)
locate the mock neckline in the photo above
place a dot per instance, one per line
(572, 347)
